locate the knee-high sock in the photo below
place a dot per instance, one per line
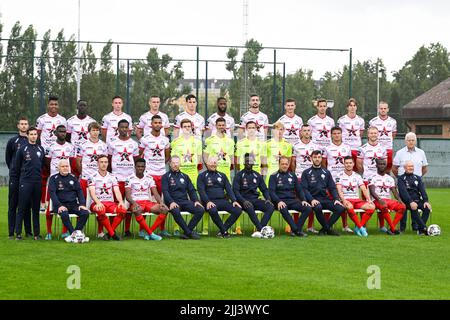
(162, 225)
(159, 219)
(386, 215)
(104, 221)
(117, 220)
(381, 220)
(49, 220)
(311, 220)
(366, 216)
(143, 224)
(353, 216)
(398, 217)
(99, 227)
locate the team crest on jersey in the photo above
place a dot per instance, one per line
(71, 182)
(416, 183)
(209, 183)
(104, 189)
(125, 155)
(323, 133)
(82, 135)
(60, 186)
(219, 179)
(292, 131)
(38, 154)
(245, 182)
(350, 188)
(254, 180)
(384, 188)
(182, 180)
(339, 159)
(323, 176)
(290, 180)
(157, 151)
(172, 181)
(384, 132)
(351, 132)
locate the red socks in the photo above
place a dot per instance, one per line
(311, 220)
(353, 216)
(160, 219)
(143, 225)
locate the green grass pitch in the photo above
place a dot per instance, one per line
(412, 267)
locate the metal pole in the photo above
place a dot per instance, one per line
(206, 91)
(78, 54)
(117, 72)
(197, 80)
(350, 75)
(32, 82)
(274, 81)
(41, 88)
(128, 86)
(378, 84)
(284, 85)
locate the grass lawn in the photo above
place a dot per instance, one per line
(412, 267)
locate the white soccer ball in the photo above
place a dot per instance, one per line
(77, 236)
(267, 232)
(434, 230)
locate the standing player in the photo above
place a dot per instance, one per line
(352, 127)
(387, 130)
(292, 122)
(110, 122)
(255, 115)
(221, 113)
(381, 185)
(254, 146)
(348, 184)
(198, 122)
(321, 125)
(145, 121)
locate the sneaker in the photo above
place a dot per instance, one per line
(29, 235)
(194, 236)
(19, 237)
(300, 234)
(363, 231)
(184, 236)
(142, 233)
(393, 233)
(68, 239)
(238, 231)
(358, 231)
(176, 233)
(42, 208)
(115, 237)
(422, 232)
(153, 236)
(48, 236)
(101, 235)
(287, 229)
(312, 230)
(165, 233)
(322, 232)
(39, 237)
(127, 234)
(65, 235)
(332, 232)
(383, 230)
(224, 235)
(257, 234)
(205, 232)
(106, 237)
(347, 229)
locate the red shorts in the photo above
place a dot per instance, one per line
(84, 186)
(357, 203)
(73, 167)
(122, 190)
(146, 205)
(354, 157)
(158, 180)
(110, 207)
(389, 159)
(393, 205)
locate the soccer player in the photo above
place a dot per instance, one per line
(321, 125)
(28, 164)
(212, 186)
(103, 187)
(110, 122)
(12, 146)
(333, 159)
(137, 192)
(59, 150)
(348, 184)
(387, 130)
(255, 115)
(292, 122)
(381, 185)
(413, 195)
(67, 197)
(287, 194)
(275, 148)
(254, 146)
(221, 113)
(245, 186)
(145, 121)
(177, 186)
(352, 127)
(198, 122)
(320, 191)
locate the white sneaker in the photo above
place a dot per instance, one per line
(312, 230)
(256, 234)
(68, 239)
(347, 229)
(100, 235)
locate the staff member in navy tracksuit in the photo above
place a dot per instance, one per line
(284, 189)
(67, 197)
(413, 194)
(211, 186)
(319, 187)
(29, 162)
(12, 146)
(176, 186)
(245, 187)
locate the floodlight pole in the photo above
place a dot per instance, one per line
(78, 54)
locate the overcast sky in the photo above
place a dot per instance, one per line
(392, 30)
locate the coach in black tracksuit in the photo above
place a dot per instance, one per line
(176, 186)
(12, 146)
(287, 194)
(67, 197)
(413, 194)
(245, 187)
(316, 182)
(28, 163)
(211, 186)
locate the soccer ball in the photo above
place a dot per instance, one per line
(434, 230)
(77, 236)
(267, 232)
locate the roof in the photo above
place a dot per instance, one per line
(432, 105)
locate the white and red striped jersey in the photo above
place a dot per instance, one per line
(351, 130)
(154, 155)
(261, 120)
(385, 128)
(88, 154)
(122, 161)
(47, 124)
(140, 188)
(292, 127)
(369, 154)
(78, 128)
(103, 186)
(302, 153)
(321, 130)
(197, 120)
(211, 123)
(383, 185)
(145, 122)
(350, 184)
(110, 122)
(57, 152)
(335, 158)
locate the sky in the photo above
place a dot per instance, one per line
(390, 30)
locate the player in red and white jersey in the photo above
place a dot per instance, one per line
(221, 113)
(348, 184)
(191, 114)
(145, 121)
(387, 130)
(292, 123)
(254, 114)
(352, 127)
(333, 159)
(110, 121)
(368, 153)
(381, 185)
(321, 125)
(103, 188)
(137, 192)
